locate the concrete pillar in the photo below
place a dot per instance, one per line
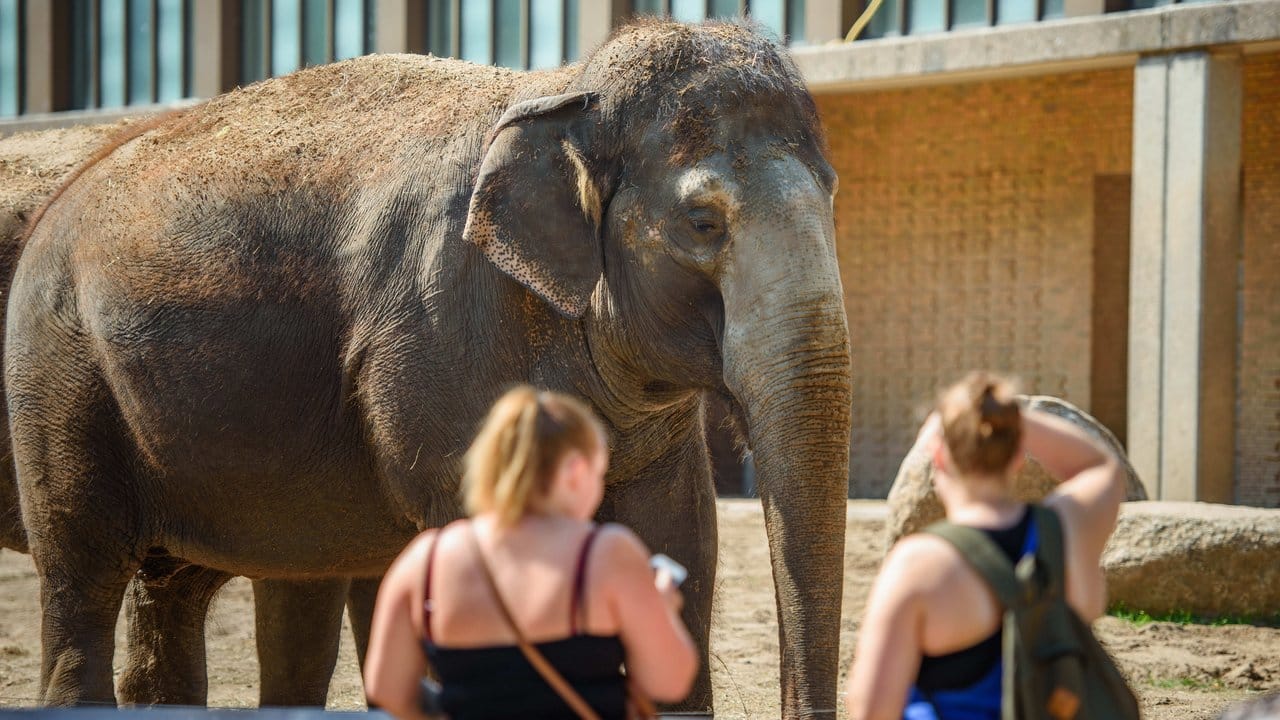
(1078, 8)
(1183, 274)
(215, 44)
(596, 19)
(828, 20)
(47, 61)
(401, 26)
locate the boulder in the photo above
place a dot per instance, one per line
(913, 504)
(1195, 557)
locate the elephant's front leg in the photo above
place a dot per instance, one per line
(671, 505)
(298, 625)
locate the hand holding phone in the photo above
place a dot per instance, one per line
(674, 569)
(669, 576)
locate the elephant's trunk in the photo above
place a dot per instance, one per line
(798, 422)
(786, 354)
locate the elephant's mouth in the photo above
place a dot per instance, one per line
(735, 419)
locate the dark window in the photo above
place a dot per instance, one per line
(783, 18)
(477, 24)
(280, 36)
(509, 43)
(1017, 11)
(546, 33)
(968, 13)
(521, 34)
(925, 16)
(10, 57)
(887, 22)
(129, 52)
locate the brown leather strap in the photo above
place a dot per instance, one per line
(535, 658)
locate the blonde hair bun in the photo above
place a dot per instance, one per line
(526, 433)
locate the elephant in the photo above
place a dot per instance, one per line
(296, 623)
(259, 335)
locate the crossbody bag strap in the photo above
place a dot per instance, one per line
(535, 658)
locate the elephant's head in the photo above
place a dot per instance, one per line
(683, 202)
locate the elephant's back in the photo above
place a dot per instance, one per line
(341, 125)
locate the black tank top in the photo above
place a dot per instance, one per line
(498, 682)
(963, 668)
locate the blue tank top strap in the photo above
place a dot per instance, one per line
(1032, 541)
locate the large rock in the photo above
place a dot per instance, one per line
(1196, 557)
(913, 505)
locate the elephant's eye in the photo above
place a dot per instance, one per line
(705, 222)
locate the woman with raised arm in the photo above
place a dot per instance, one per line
(930, 641)
(529, 564)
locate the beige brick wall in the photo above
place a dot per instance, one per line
(1258, 402)
(965, 230)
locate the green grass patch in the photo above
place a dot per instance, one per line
(1184, 617)
(1187, 683)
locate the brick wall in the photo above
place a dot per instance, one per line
(965, 233)
(1258, 379)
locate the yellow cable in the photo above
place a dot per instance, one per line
(863, 19)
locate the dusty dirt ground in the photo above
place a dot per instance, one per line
(1179, 671)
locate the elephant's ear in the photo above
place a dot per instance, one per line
(535, 210)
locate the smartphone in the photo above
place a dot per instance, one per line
(677, 571)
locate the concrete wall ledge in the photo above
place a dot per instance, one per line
(73, 118)
(1081, 43)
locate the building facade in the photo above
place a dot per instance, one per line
(1082, 193)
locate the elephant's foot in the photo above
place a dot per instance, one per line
(166, 605)
(298, 627)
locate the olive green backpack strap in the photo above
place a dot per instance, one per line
(1050, 550)
(984, 555)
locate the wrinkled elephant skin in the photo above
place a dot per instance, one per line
(259, 336)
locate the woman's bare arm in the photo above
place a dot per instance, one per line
(1088, 501)
(887, 658)
(394, 664)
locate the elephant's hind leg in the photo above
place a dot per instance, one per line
(84, 531)
(166, 605)
(298, 625)
(80, 604)
(360, 601)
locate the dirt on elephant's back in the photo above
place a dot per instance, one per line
(1179, 671)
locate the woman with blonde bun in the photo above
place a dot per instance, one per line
(930, 642)
(582, 594)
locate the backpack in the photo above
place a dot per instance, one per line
(1054, 668)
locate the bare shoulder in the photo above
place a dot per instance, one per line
(620, 541)
(919, 563)
(411, 564)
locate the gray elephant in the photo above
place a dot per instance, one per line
(297, 622)
(257, 336)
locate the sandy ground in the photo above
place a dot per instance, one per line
(1179, 671)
